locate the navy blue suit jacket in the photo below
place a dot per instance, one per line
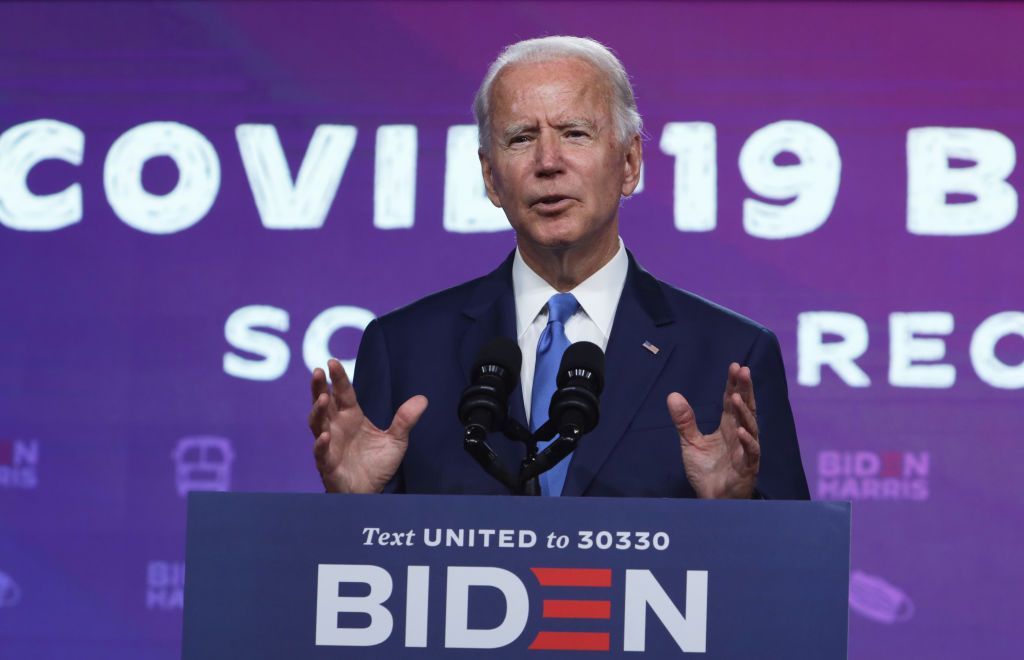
(429, 347)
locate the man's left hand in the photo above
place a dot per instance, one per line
(722, 464)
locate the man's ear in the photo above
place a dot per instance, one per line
(488, 172)
(631, 166)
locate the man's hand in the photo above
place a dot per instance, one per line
(353, 455)
(722, 464)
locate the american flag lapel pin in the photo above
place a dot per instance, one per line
(651, 347)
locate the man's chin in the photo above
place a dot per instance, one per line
(562, 230)
(558, 242)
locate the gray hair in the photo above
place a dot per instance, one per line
(624, 113)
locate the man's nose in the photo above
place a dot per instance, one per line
(548, 154)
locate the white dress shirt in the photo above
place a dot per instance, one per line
(598, 297)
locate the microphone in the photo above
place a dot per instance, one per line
(483, 407)
(484, 404)
(574, 406)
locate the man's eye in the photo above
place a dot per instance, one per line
(576, 134)
(519, 139)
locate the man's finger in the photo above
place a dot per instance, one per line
(682, 416)
(318, 384)
(341, 388)
(318, 415)
(731, 382)
(406, 417)
(751, 447)
(744, 415)
(745, 386)
(320, 448)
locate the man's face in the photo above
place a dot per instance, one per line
(556, 165)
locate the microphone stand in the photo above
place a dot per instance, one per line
(536, 465)
(475, 442)
(513, 430)
(526, 482)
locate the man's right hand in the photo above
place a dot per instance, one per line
(353, 455)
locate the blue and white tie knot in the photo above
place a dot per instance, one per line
(561, 307)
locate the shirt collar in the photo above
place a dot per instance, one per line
(598, 295)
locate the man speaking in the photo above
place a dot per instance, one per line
(695, 402)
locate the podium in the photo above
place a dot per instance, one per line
(405, 576)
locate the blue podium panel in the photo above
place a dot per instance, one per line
(396, 576)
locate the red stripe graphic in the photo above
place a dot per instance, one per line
(573, 577)
(577, 609)
(570, 641)
(892, 464)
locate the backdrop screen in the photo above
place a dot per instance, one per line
(201, 202)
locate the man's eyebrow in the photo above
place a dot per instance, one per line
(513, 130)
(577, 123)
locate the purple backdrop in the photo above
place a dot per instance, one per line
(155, 342)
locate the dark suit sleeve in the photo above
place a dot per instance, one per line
(781, 474)
(372, 383)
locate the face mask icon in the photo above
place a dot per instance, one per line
(10, 592)
(203, 463)
(878, 600)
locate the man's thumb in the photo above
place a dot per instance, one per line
(407, 415)
(682, 416)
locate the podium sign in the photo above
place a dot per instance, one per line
(329, 576)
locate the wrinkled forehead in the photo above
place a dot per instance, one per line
(552, 90)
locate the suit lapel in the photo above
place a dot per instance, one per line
(643, 315)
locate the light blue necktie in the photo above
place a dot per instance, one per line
(550, 346)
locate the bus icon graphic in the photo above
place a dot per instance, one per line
(203, 462)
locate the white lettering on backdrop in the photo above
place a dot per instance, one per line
(971, 162)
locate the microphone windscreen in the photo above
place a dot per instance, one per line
(582, 360)
(503, 353)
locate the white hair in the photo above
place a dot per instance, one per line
(626, 118)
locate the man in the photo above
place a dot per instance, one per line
(560, 144)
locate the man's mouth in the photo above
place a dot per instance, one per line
(552, 203)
